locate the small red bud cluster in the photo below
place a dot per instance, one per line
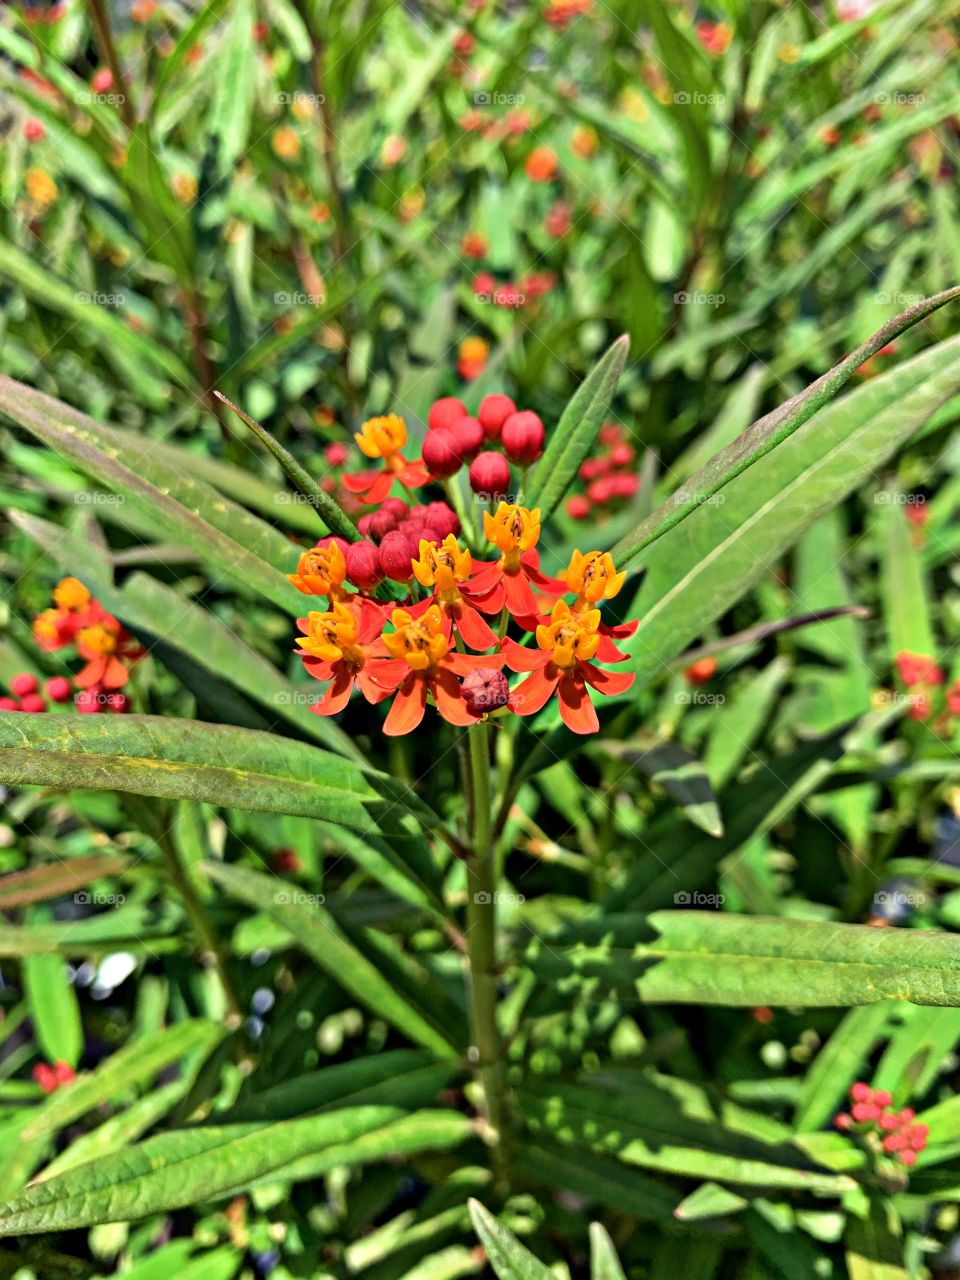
(392, 537)
(920, 672)
(609, 476)
(455, 438)
(872, 1115)
(519, 295)
(52, 1076)
(25, 694)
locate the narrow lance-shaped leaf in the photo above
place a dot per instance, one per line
(509, 1258)
(701, 957)
(332, 514)
(767, 433)
(573, 436)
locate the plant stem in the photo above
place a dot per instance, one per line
(481, 945)
(108, 51)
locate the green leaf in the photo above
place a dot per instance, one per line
(906, 595)
(53, 1008)
(329, 511)
(168, 231)
(188, 760)
(508, 1257)
(40, 884)
(874, 1247)
(233, 99)
(838, 1063)
(710, 1200)
(325, 939)
(702, 567)
(604, 1263)
(184, 1167)
(769, 432)
(573, 436)
(701, 957)
(599, 1178)
(681, 775)
(245, 549)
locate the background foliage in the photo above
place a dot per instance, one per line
(276, 199)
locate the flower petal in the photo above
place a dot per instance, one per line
(338, 695)
(388, 673)
(521, 658)
(359, 482)
(463, 663)
(445, 688)
(534, 693)
(472, 627)
(408, 707)
(520, 598)
(576, 710)
(606, 682)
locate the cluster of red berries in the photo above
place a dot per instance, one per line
(608, 476)
(513, 296)
(922, 674)
(391, 541)
(872, 1116)
(455, 438)
(25, 693)
(52, 1076)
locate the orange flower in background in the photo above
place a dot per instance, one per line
(541, 165)
(509, 580)
(445, 568)
(584, 141)
(337, 646)
(472, 358)
(285, 142)
(562, 664)
(41, 188)
(393, 150)
(714, 37)
(384, 437)
(702, 671)
(421, 662)
(107, 646)
(560, 13)
(474, 245)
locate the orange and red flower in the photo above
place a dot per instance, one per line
(384, 437)
(446, 568)
(510, 580)
(561, 663)
(337, 646)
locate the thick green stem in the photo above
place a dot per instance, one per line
(481, 943)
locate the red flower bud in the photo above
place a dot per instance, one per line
(908, 1158)
(59, 689)
(9, 704)
(485, 690)
(34, 131)
(445, 412)
(397, 508)
(416, 532)
(490, 474)
(336, 454)
(33, 703)
(87, 701)
(363, 565)
(621, 455)
(861, 1092)
(700, 672)
(468, 436)
(118, 702)
(363, 524)
(396, 559)
(610, 433)
(382, 523)
(102, 80)
(44, 1077)
(22, 684)
(578, 507)
(882, 1098)
(331, 538)
(842, 1121)
(63, 1072)
(522, 437)
(493, 413)
(442, 517)
(441, 454)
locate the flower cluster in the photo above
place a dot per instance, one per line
(417, 651)
(79, 621)
(873, 1118)
(921, 674)
(560, 13)
(25, 693)
(510, 295)
(454, 438)
(609, 476)
(53, 1076)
